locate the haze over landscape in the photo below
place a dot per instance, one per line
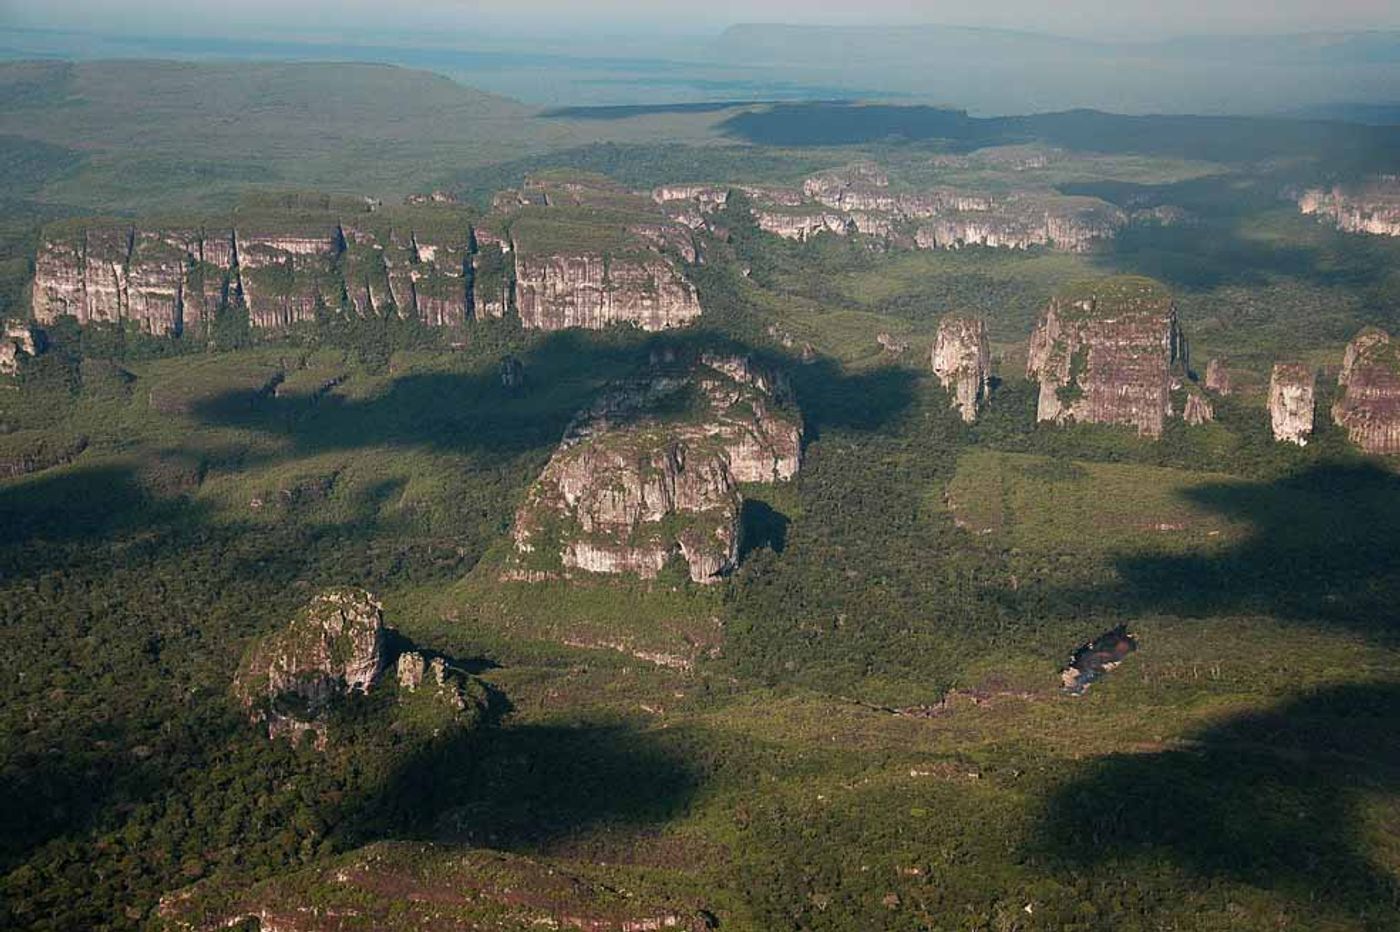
(749, 466)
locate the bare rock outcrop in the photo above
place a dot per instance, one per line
(651, 471)
(611, 495)
(1372, 207)
(1368, 397)
(1198, 410)
(1291, 401)
(1105, 351)
(1218, 377)
(418, 673)
(19, 341)
(333, 646)
(560, 290)
(963, 362)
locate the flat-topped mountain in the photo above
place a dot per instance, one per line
(562, 253)
(1107, 351)
(862, 199)
(1368, 398)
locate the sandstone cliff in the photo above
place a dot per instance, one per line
(590, 255)
(1368, 397)
(861, 199)
(651, 471)
(1373, 207)
(1105, 352)
(561, 290)
(963, 362)
(1291, 402)
(336, 644)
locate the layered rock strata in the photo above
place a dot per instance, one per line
(559, 253)
(561, 290)
(860, 200)
(1368, 396)
(651, 471)
(1107, 352)
(962, 360)
(1373, 207)
(1291, 401)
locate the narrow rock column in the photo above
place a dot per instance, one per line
(963, 362)
(1291, 401)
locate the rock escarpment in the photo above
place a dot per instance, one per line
(1291, 402)
(559, 290)
(651, 471)
(860, 199)
(1373, 207)
(1108, 352)
(1368, 398)
(588, 253)
(560, 253)
(335, 645)
(963, 362)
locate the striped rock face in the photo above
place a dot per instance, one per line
(1368, 396)
(1105, 352)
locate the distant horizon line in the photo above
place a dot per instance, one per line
(367, 35)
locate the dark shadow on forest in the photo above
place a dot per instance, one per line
(527, 786)
(474, 413)
(1275, 799)
(1324, 550)
(1211, 246)
(1341, 146)
(761, 527)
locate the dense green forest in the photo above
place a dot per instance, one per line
(866, 726)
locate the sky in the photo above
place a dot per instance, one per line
(466, 18)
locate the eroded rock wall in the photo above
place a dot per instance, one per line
(962, 360)
(1104, 352)
(1291, 402)
(553, 292)
(1373, 207)
(1368, 396)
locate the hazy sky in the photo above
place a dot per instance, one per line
(1123, 18)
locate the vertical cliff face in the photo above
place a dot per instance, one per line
(553, 292)
(60, 279)
(963, 362)
(1373, 207)
(1368, 397)
(1104, 352)
(105, 254)
(156, 276)
(650, 471)
(285, 276)
(1291, 402)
